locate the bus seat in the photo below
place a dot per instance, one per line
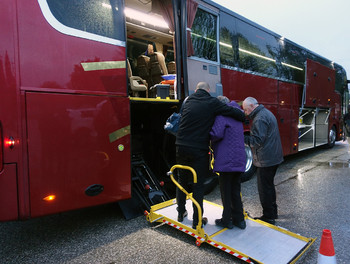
(143, 67)
(137, 84)
(158, 67)
(171, 67)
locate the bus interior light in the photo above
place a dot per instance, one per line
(145, 18)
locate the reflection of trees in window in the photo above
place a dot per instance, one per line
(99, 17)
(258, 50)
(340, 79)
(226, 47)
(204, 35)
(253, 58)
(292, 62)
(228, 40)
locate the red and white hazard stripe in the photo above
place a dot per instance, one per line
(209, 241)
(184, 230)
(229, 251)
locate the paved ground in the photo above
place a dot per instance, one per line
(313, 194)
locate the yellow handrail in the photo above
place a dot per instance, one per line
(171, 174)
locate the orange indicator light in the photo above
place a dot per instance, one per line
(49, 198)
(10, 142)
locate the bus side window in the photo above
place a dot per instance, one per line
(96, 17)
(292, 62)
(258, 50)
(228, 40)
(203, 35)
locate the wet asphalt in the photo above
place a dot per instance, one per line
(313, 193)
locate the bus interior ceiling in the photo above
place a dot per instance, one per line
(146, 27)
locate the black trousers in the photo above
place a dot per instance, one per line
(267, 192)
(230, 187)
(197, 159)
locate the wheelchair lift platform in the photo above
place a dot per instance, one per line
(259, 242)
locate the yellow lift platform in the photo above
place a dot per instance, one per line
(259, 242)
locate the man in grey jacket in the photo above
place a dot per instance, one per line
(267, 151)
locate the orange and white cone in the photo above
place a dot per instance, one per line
(326, 254)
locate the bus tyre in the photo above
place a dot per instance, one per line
(249, 167)
(332, 137)
(211, 182)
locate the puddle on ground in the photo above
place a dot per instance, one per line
(338, 165)
(303, 170)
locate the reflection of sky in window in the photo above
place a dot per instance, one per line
(310, 28)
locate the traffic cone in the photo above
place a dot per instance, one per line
(326, 254)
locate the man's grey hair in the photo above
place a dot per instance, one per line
(223, 99)
(251, 100)
(203, 85)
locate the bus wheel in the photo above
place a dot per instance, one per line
(210, 182)
(331, 137)
(249, 167)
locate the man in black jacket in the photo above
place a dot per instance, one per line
(267, 152)
(192, 143)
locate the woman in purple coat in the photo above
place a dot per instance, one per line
(227, 141)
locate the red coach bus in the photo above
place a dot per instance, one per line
(86, 87)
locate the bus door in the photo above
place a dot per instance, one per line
(202, 47)
(9, 136)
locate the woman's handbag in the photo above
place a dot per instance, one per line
(173, 122)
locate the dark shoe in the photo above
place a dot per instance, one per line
(220, 222)
(181, 216)
(204, 222)
(241, 224)
(265, 219)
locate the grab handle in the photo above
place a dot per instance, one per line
(171, 174)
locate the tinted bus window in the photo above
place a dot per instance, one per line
(292, 62)
(203, 35)
(101, 17)
(228, 40)
(258, 50)
(340, 79)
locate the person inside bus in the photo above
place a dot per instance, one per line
(150, 49)
(267, 152)
(227, 140)
(192, 144)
